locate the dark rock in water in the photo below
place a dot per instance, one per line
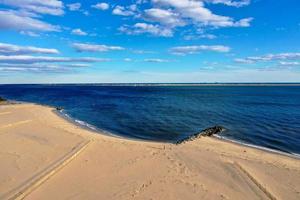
(59, 108)
(206, 133)
(211, 131)
(2, 99)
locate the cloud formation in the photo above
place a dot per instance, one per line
(200, 36)
(164, 16)
(78, 31)
(42, 67)
(268, 57)
(184, 50)
(74, 6)
(30, 33)
(234, 3)
(284, 63)
(10, 49)
(156, 60)
(83, 47)
(13, 20)
(124, 11)
(37, 69)
(142, 28)
(50, 7)
(22, 59)
(196, 12)
(101, 6)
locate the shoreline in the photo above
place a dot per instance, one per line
(83, 124)
(96, 130)
(45, 156)
(261, 148)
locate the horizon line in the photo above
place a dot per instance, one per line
(171, 84)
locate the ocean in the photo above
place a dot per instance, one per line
(263, 116)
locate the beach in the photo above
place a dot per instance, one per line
(44, 156)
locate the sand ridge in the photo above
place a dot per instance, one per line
(55, 159)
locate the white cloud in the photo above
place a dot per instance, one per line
(78, 32)
(184, 50)
(284, 63)
(12, 69)
(269, 57)
(51, 7)
(74, 6)
(201, 16)
(234, 3)
(127, 59)
(10, 49)
(86, 13)
(138, 2)
(40, 67)
(30, 33)
(165, 17)
(284, 56)
(121, 10)
(78, 65)
(243, 22)
(101, 6)
(141, 28)
(142, 52)
(44, 64)
(200, 36)
(44, 59)
(13, 20)
(156, 60)
(83, 47)
(243, 61)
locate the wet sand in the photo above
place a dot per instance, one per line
(43, 156)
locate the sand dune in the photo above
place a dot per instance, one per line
(43, 156)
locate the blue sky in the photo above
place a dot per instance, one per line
(75, 41)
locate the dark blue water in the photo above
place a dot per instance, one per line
(263, 116)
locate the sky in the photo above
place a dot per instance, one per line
(149, 41)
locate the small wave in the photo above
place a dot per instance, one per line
(82, 123)
(291, 154)
(85, 124)
(77, 121)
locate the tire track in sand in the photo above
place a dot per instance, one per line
(256, 182)
(15, 124)
(30, 185)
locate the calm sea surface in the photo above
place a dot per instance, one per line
(263, 116)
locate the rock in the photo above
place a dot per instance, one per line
(59, 108)
(206, 133)
(211, 131)
(2, 99)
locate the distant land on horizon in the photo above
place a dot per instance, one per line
(149, 41)
(165, 84)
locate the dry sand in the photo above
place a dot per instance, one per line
(43, 156)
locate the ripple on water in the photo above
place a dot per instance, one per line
(263, 116)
